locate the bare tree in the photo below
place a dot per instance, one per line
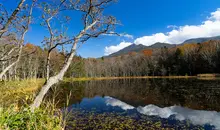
(95, 24)
(24, 29)
(50, 13)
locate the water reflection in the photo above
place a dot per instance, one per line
(190, 93)
(197, 117)
(181, 99)
(109, 104)
(114, 102)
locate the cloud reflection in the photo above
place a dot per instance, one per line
(197, 117)
(115, 102)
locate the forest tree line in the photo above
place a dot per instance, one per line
(187, 59)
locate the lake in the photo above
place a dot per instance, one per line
(140, 103)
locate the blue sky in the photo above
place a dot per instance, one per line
(146, 21)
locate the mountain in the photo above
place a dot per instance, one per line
(140, 47)
(161, 45)
(126, 50)
(200, 40)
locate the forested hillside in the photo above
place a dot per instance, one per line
(140, 47)
(188, 59)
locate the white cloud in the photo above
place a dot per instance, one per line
(210, 27)
(121, 34)
(127, 36)
(111, 49)
(149, 40)
(172, 26)
(215, 15)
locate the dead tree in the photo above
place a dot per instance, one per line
(94, 25)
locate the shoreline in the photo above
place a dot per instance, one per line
(136, 77)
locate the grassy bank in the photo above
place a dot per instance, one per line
(14, 108)
(29, 85)
(12, 91)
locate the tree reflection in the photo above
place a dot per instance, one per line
(191, 93)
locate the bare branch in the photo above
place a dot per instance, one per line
(12, 17)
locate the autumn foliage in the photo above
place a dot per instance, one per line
(147, 52)
(187, 59)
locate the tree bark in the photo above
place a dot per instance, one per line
(50, 46)
(53, 80)
(23, 35)
(11, 65)
(48, 67)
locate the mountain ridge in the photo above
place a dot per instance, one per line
(140, 47)
(201, 39)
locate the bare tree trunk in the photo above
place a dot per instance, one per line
(24, 74)
(53, 80)
(29, 68)
(50, 46)
(15, 70)
(3, 67)
(15, 74)
(14, 63)
(21, 42)
(48, 67)
(23, 35)
(11, 65)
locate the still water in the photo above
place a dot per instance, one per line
(165, 103)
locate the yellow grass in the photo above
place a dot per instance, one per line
(208, 75)
(141, 77)
(29, 85)
(12, 91)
